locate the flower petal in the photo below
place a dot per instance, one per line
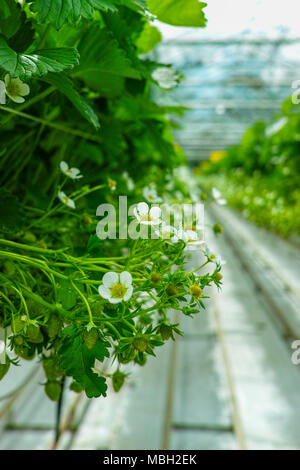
(112, 300)
(142, 208)
(71, 203)
(16, 99)
(109, 279)
(155, 212)
(128, 293)
(104, 292)
(126, 278)
(24, 89)
(63, 166)
(135, 213)
(216, 193)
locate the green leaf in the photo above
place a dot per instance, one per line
(59, 12)
(149, 38)
(102, 59)
(178, 12)
(37, 63)
(77, 360)
(66, 294)
(65, 86)
(10, 17)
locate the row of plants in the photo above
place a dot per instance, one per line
(260, 177)
(79, 128)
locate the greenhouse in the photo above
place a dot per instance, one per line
(149, 227)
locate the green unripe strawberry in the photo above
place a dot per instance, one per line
(145, 319)
(171, 290)
(140, 343)
(53, 390)
(52, 368)
(97, 309)
(155, 278)
(54, 325)
(19, 324)
(165, 331)
(140, 359)
(217, 228)
(195, 291)
(90, 338)
(76, 387)
(26, 352)
(118, 380)
(4, 368)
(128, 356)
(19, 340)
(34, 334)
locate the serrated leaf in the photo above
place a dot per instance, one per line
(37, 63)
(178, 12)
(149, 38)
(77, 360)
(59, 12)
(65, 86)
(100, 53)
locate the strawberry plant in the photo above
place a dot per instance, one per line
(79, 128)
(260, 177)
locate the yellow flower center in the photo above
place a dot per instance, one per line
(69, 171)
(212, 256)
(166, 234)
(13, 88)
(118, 290)
(146, 217)
(66, 199)
(150, 197)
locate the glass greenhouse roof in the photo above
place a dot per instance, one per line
(237, 70)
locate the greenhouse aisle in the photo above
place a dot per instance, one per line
(215, 388)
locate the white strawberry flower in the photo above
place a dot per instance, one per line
(73, 173)
(214, 258)
(166, 232)
(190, 237)
(66, 200)
(16, 89)
(116, 287)
(129, 180)
(146, 216)
(218, 197)
(149, 193)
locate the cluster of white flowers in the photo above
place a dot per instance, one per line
(74, 174)
(147, 216)
(14, 88)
